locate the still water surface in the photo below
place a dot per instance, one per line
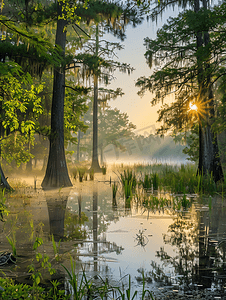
(114, 239)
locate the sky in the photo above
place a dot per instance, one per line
(139, 110)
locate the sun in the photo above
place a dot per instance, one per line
(193, 107)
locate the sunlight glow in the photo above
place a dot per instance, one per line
(193, 106)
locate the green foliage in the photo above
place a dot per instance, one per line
(129, 177)
(206, 184)
(91, 174)
(113, 128)
(56, 248)
(81, 173)
(128, 188)
(41, 49)
(11, 290)
(114, 189)
(186, 67)
(3, 208)
(81, 287)
(147, 182)
(12, 244)
(155, 180)
(43, 260)
(104, 170)
(20, 107)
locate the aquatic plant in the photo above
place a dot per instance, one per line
(11, 290)
(128, 189)
(206, 184)
(147, 182)
(129, 294)
(12, 244)
(210, 203)
(155, 180)
(81, 173)
(141, 238)
(3, 209)
(114, 189)
(104, 169)
(56, 248)
(81, 286)
(36, 274)
(185, 202)
(129, 177)
(74, 172)
(91, 174)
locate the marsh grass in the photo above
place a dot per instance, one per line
(3, 208)
(129, 177)
(56, 249)
(155, 180)
(91, 174)
(179, 179)
(147, 182)
(98, 288)
(74, 173)
(128, 188)
(12, 244)
(104, 169)
(114, 190)
(155, 203)
(81, 174)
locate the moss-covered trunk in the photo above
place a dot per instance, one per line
(56, 171)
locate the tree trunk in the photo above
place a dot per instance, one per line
(78, 152)
(95, 163)
(4, 183)
(209, 159)
(56, 171)
(209, 156)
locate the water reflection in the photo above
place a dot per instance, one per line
(103, 234)
(57, 202)
(95, 226)
(199, 239)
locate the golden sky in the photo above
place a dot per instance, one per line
(140, 111)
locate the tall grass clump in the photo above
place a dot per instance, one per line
(81, 286)
(91, 174)
(128, 189)
(130, 177)
(104, 169)
(179, 180)
(147, 182)
(97, 288)
(74, 172)
(206, 184)
(155, 180)
(114, 190)
(81, 174)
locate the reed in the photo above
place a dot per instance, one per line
(81, 174)
(114, 189)
(130, 177)
(128, 187)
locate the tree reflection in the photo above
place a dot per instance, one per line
(64, 224)
(198, 239)
(99, 218)
(182, 234)
(56, 202)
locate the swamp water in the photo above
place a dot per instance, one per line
(172, 247)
